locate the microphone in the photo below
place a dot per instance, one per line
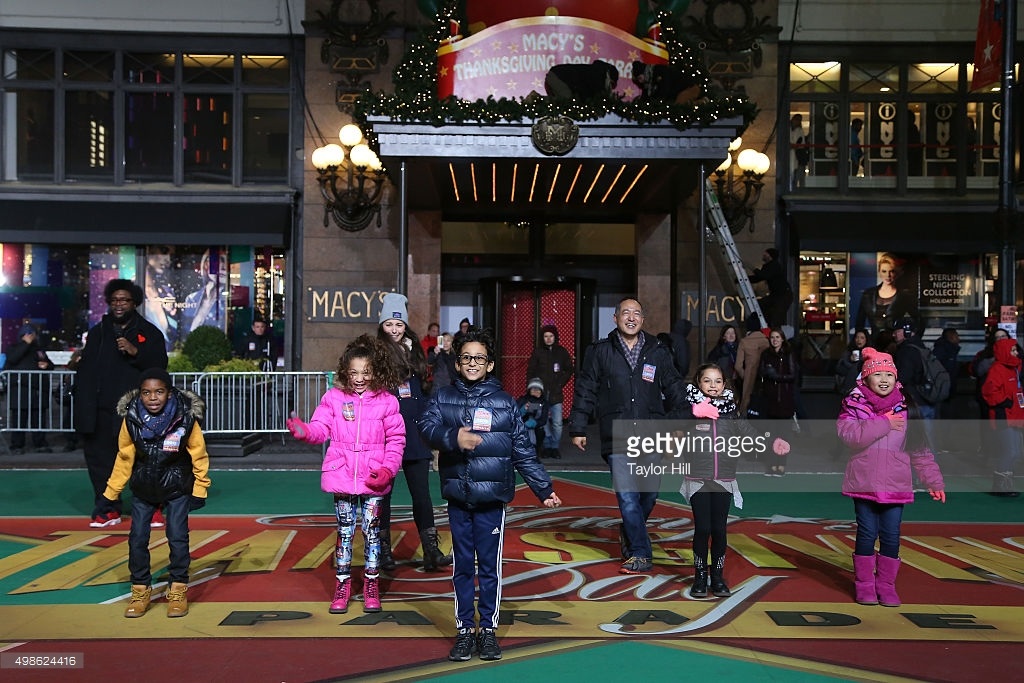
(118, 334)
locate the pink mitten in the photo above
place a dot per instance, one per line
(780, 446)
(298, 428)
(380, 480)
(705, 410)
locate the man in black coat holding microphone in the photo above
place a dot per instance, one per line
(116, 352)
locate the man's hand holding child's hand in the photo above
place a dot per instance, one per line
(552, 501)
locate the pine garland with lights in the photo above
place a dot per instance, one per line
(415, 97)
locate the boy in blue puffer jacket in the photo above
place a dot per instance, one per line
(482, 442)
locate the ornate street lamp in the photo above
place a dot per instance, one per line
(738, 193)
(351, 179)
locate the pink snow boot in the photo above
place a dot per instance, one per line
(885, 581)
(864, 579)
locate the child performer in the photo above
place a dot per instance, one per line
(161, 456)
(885, 447)
(483, 443)
(533, 408)
(361, 418)
(710, 485)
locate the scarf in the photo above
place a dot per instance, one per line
(156, 426)
(881, 404)
(726, 403)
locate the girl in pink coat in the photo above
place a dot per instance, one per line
(885, 446)
(367, 433)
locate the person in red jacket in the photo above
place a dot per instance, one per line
(1003, 394)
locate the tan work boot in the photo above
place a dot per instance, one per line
(139, 602)
(177, 604)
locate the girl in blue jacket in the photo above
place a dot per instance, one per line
(483, 443)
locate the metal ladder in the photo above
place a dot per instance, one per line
(719, 227)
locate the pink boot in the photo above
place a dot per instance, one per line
(885, 581)
(341, 595)
(371, 594)
(864, 579)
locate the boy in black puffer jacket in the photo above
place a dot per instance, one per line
(162, 457)
(483, 443)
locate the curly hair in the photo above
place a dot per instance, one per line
(385, 375)
(484, 337)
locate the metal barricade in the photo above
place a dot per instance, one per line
(236, 403)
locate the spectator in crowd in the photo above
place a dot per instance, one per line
(800, 152)
(723, 354)
(533, 408)
(982, 363)
(430, 339)
(947, 349)
(748, 359)
(118, 349)
(443, 362)
(1002, 395)
(909, 359)
(30, 396)
(552, 364)
(856, 149)
(258, 344)
(778, 373)
(629, 375)
(776, 303)
(677, 341)
(848, 367)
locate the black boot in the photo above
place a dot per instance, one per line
(432, 555)
(699, 589)
(718, 587)
(387, 559)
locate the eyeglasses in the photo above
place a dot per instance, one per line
(467, 359)
(121, 300)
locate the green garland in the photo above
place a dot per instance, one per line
(415, 97)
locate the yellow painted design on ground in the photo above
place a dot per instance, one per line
(434, 618)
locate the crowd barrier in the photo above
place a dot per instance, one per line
(236, 402)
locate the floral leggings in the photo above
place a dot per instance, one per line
(345, 507)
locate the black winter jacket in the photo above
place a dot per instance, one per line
(411, 403)
(486, 475)
(543, 363)
(608, 390)
(105, 374)
(159, 475)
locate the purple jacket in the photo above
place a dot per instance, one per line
(880, 467)
(367, 432)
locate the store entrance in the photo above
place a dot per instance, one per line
(517, 309)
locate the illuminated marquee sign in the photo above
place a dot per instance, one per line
(510, 59)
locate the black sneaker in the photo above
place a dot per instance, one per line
(636, 565)
(487, 645)
(465, 646)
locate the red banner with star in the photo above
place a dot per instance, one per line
(988, 45)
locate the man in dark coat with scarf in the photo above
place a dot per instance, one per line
(117, 350)
(552, 364)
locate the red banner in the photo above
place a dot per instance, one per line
(512, 58)
(988, 46)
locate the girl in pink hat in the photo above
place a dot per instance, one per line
(885, 448)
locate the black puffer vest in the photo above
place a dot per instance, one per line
(163, 465)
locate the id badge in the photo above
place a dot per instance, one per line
(1020, 400)
(404, 391)
(648, 373)
(173, 440)
(481, 420)
(557, 367)
(348, 411)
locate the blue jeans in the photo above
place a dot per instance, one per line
(176, 515)
(553, 427)
(928, 414)
(879, 521)
(635, 504)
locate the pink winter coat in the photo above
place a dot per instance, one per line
(880, 467)
(367, 432)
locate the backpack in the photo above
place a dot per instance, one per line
(937, 381)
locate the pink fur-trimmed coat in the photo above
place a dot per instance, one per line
(880, 468)
(367, 432)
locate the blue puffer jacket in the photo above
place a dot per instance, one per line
(486, 475)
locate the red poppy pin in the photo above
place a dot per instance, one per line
(142, 340)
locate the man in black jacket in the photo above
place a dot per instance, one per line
(29, 396)
(552, 364)
(118, 349)
(627, 377)
(779, 298)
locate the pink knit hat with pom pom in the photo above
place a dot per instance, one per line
(876, 361)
